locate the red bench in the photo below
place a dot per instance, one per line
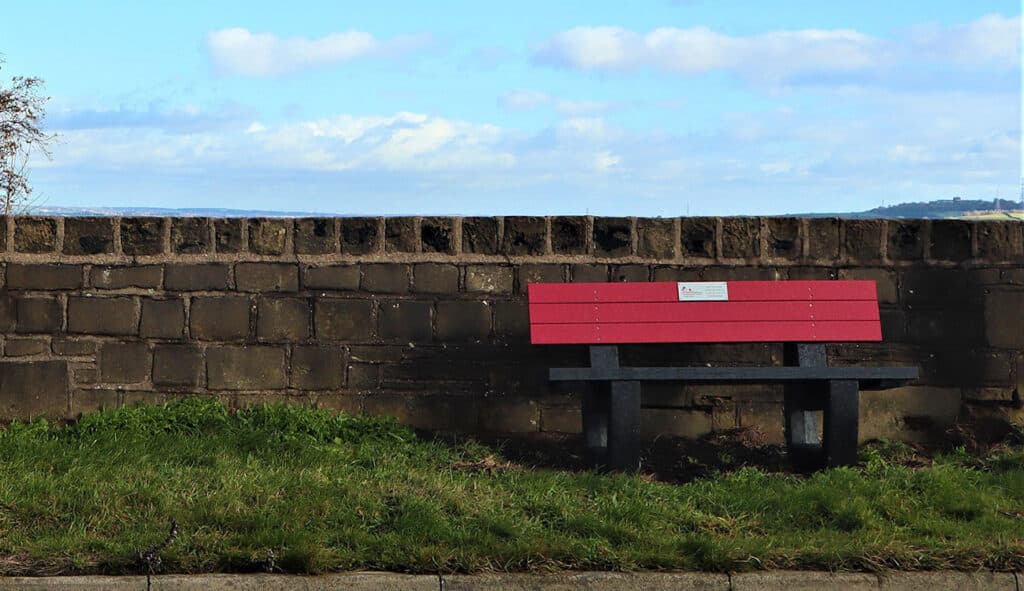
(802, 314)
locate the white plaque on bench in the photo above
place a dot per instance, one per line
(703, 291)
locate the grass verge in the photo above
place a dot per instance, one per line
(327, 493)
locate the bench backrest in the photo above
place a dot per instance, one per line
(704, 312)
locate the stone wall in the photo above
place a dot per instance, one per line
(426, 319)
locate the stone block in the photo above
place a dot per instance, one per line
(579, 581)
(162, 318)
(267, 277)
(906, 240)
(885, 280)
(630, 273)
(405, 322)
(360, 235)
(524, 235)
(489, 279)
(588, 273)
(83, 401)
(803, 273)
(331, 277)
(24, 347)
(338, 402)
(656, 238)
(1000, 241)
(34, 234)
(688, 423)
(950, 240)
(1004, 318)
(343, 320)
(246, 368)
(268, 236)
(741, 238)
(227, 235)
(142, 236)
(8, 312)
(894, 326)
(766, 417)
(961, 581)
(386, 278)
(103, 316)
(613, 237)
(48, 277)
(437, 412)
(177, 366)
(85, 236)
(463, 321)
(540, 273)
(479, 235)
(743, 273)
(928, 327)
(39, 315)
(282, 319)
(124, 363)
(698, 237)
(862, 241)
(363, 376)
(401, 234)
(911, 413)
(509, 415)
(784, 241)
(936, 288)
(122, 277)
(678, 273)
(561, 419)
(191, 235)
(31, 389)
(437, 234)
(197, 277)
(219, 318)
(511, 321)
(315, 236)
(86, 375)
(803, 581)
(435, 278)
(73, 347)
(569, 235)
(823, 239)
(318, 368)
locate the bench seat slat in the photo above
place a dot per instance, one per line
(735, 374)
(706, 332)
(657, 312)
(667, 291)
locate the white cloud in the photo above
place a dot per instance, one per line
(525, 100)
(242, 52)
(699, 49)
(778, 56)
(990, 40)
(898, 147)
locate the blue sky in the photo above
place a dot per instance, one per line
(646, 108)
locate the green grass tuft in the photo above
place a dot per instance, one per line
(335, 492)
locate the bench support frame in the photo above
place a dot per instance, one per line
(611, 412)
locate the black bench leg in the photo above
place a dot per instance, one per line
(595, 409)
(841, 419)
(624, 427)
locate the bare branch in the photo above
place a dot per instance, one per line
(22, 110)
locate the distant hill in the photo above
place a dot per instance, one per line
(940, 209)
